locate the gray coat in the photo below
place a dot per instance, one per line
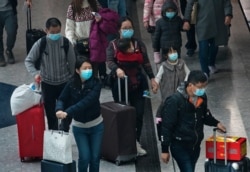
(210, 19)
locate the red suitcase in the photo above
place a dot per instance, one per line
(119, 138)
(30, 127)
(215, 165)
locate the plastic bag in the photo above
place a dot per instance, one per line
(24, 97)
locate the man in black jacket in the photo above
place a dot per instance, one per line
(183, 118)
(8, 20)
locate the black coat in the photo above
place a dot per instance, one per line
(82, 104)
(184, 122)
(168, 31)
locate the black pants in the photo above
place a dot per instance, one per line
(191, 42)
(50, 94)
(136, 100)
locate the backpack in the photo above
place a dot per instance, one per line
(43, 46)
(159, 123)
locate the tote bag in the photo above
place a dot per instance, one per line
(57, 146)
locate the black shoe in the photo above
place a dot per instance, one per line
(2, 61)
(190, 52)
(11, 58)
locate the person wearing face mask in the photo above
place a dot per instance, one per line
(121, 68)
(171, 73)
(56, 68)
(80, 100)
(168, 31)
(183, 118)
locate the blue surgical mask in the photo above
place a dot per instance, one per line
(199, 92)
(173, 56)
(170, 15)
(86, 74)
(54, 37)
(127, 33)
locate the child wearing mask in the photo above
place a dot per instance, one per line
(125, 53)
(168, 31)
(171, 73)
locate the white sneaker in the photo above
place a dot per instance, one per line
(140, 150)
(212, 69)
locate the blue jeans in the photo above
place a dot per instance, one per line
(89, 142)
(8, 21)
(185, 156)
(207, 54)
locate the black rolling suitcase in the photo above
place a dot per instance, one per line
(214, 165)
(51, 166)
(119, 139)
(32, 35)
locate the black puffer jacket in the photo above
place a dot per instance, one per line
(182, 121)
(168, 31)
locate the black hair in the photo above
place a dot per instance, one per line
(53, 22)
(123, 45)
(123, 19)
(77, 6)
(79, 61)
(197, 76)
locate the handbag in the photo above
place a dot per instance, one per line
(194, 13)
(57, 146)
(82, 46)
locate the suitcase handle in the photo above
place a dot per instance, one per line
(28, 18)
(225, 144)
(126, 89)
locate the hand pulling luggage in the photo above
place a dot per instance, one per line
(30, 127)
(32, 35)
(214, 165)
(119, 139)
(51, 166)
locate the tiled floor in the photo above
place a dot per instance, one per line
(228, 91)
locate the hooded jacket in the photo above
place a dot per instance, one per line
(168, 31)
(182, 121)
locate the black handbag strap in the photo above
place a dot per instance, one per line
(28, 18)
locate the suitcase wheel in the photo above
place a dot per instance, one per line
(118, 163)
(22, 159)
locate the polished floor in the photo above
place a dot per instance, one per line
(228, 90)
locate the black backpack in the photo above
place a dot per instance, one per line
(43, 46)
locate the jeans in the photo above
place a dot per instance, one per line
(207, 54)
(8, 21)
(89, 142)
(50, 95)
(185, 156)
